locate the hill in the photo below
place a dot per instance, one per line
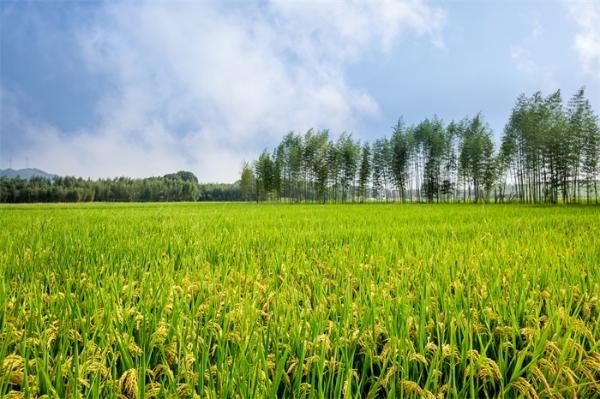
(25, 173)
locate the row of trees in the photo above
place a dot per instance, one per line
(548, 153)
(551, 152)
(180, 186)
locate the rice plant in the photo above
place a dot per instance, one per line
(309, 301)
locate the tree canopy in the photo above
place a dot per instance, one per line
(180, 186)
(548, 153)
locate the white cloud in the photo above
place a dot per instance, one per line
(525, 61)
(537, 30)
(522, 59)
(587, 40)
(200, 86)
(538, 76)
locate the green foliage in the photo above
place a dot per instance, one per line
(401, 153)
(180, 186)
(547, 154)
(353, 301)
(364, 171)
(476, 160)
(382, 170)
(183, 176)
(265, 176)
(549, 151)
(247, 182)
(221, 192)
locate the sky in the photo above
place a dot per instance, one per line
(144, 88)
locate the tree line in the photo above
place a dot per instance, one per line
(180, 186)
(549, 152)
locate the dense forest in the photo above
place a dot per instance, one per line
(180, 186)
(549, 152)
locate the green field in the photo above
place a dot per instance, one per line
(244, 300)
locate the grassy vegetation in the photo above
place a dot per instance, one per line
(226, 300)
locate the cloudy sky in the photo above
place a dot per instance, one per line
(104, 89)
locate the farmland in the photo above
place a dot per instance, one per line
(272, 300)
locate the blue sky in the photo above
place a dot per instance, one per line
(105, 89)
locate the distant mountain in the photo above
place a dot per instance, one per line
(25, 173)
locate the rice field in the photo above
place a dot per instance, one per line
(307, 301)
